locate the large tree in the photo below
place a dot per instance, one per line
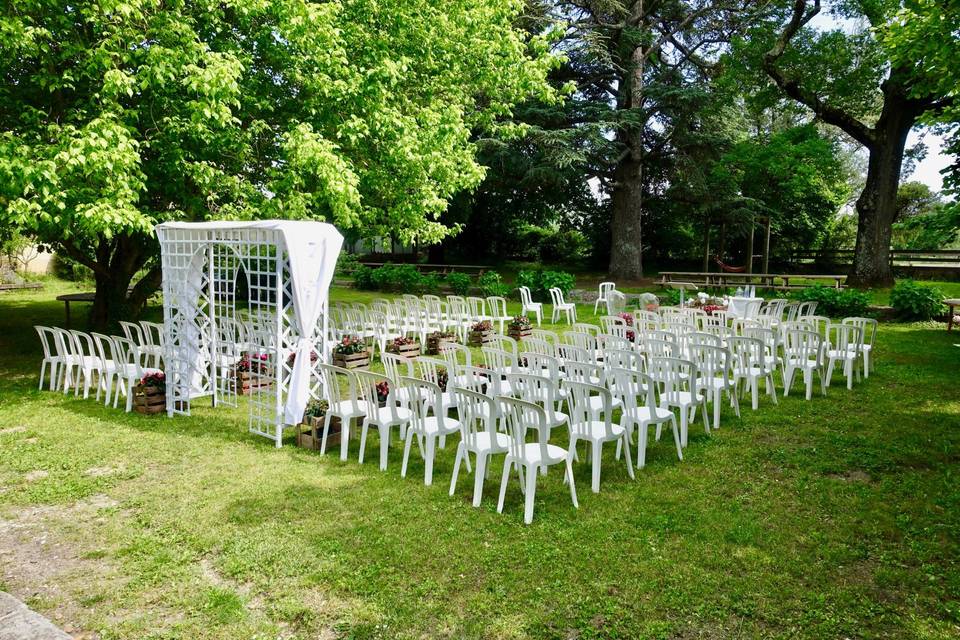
(848, 80)
(117, 115)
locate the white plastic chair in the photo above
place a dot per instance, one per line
(679, 388)
(593, 426)
(88, 362)
(516, 417)
(559, 306)
(130, 369)
(51, 356)
(529, 306)
(803, 350)
(604, 289)
(498, 311)
(428, 422)
(751, 364)
(843, 345)
(152, 342)
(431, 370)
(478, 436)
(868, 327)
(108, 364)
(384, 417)
(636, 393)
(543, 391)
(70, 359)
(344, 406)
(713, 369)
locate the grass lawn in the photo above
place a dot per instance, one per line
(838, 517)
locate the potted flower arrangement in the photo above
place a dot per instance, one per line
(443, 378)
(710, 308)
(351, 353)
(437, 339)
(404, 346)
(481, 333)
(251, 372)
(150, 395)
(310, 432)
(519, 328)
(383, 392)
(628, 318)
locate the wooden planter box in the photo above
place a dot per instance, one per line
(247, 382)
(519, 334)
(310, 433)
(149, 399)
(479, 338)
(353, 360)
(407, 351)
(434, 345)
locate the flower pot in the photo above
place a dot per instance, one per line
(248, 381)
(149, 399)
(435, 344)
(479, 338)
(518, 333)
(310, 433)
(405, 350)
(352, 360)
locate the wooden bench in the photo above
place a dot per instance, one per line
(777, 281)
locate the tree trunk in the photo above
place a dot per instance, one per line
(877, 204)
(627, 200)
(117, 262)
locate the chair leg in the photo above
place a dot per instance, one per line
(345, 427)
(43, 369)
(683, 426)
(626, 444)
(363, 439)
(573, 488)
(528, 498)
(406, 452)
(326, 430)
(808, 382)
(716, 408)
(676, 437)
(754, 392)
(642, 445)
(428, 460)
(787, 380)
(596, 455)
(456, 468)
(507, 464)
(384, 445)
(479, 476)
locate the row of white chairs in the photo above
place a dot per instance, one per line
(522, 387)
(115, 364)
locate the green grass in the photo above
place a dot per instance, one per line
(833, 518)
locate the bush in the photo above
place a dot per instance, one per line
(564, 246)
(397, 277)
(540, 282)
(834, 302)
(347, 265)
(914, 301)
(459, 283)
(491, 284)
(363, 278)
(67, 268)
(429, 283)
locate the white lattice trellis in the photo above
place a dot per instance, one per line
(287, 267)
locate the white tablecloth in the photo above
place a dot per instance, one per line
(737, 306)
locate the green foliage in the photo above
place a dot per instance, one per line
(669, 297)
(429, 283)
(459, 283)
(540, 282)
(564, 245)
(67, 268)
(491, 284)
(347, 265)
(914, 301)
(833, 302)
(936, 228)
(363, 278)
(404, 278)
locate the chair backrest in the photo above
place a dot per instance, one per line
(634, 389)
(867, 325)
(614, 341)
(604, 289)
(544, 365)
(802, 344)
(64, 343)
(127, 353)
(586, 327)
(556, 296)
(104, 346)
(752, 308)
(616, 302)
(677, 328)
(47, 340)
(661, 348)
(396, 366)
(704, 338)
(583, 412)
(571, 353)
(584, 372)
(516, 417)
(424, 400)
(475, 379)
(769, 338)
(538, 346)
(478, 308)
(539, 390)
(807, 308)
(622, 359)
(749, 354)
(134, 332)
(452, 352)
(374, 390)
(717, 318)
(844, 337)
(505, 343)
(457, 310)
(712, 362)
(546, 335)
(525, 298)
(333, 391)
(581, 340)
(477, 414)
(499, 360)
(433, 370)
(606, 322)
(82, 344)
(773, 308)
(676, 376)
(153, 333)
(497, 306)
(647, 320)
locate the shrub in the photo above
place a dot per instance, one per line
(347, 265)
(429, 283)
(459, 283)
(363, 278)
(670, 297)
(834, 302)
(491, 284)
(528, 279)
(914, 301)
(540, 282)
(397, 277)
(563, 246)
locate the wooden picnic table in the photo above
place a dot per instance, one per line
(951, 303)
(67, 298)
(765, 280)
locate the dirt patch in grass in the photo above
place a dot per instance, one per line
(48, 572)
(852, 475)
